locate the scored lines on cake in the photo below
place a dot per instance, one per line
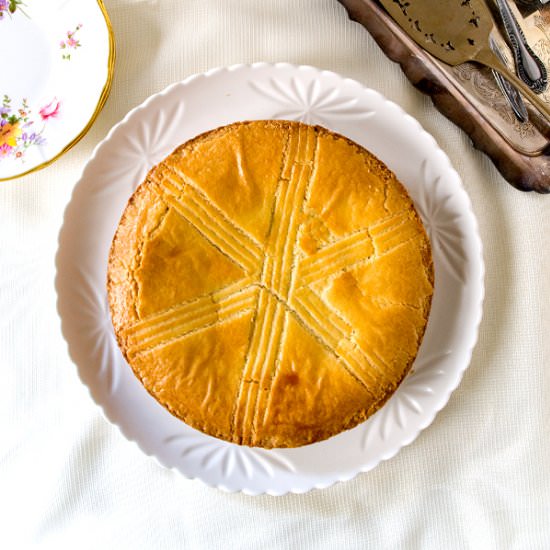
(262, 354)
(227, 237)
(154, 322)
(280, 252)
(266, 274)
(333, 258)
(335, 333)
(191, 317)
(289, 253)
(394, 232)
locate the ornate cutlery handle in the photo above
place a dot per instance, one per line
(529, 67)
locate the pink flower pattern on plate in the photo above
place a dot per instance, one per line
(70, 43)
(51, 110)
(18, 128)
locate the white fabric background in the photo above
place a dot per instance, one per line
(478, 477)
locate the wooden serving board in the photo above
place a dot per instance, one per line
(468, 95)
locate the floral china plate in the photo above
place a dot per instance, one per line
(56, 73)
(265, 91)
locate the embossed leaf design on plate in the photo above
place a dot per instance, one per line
(228, 458)
(148, 143)
(103, 348)
(407, 401)
(442, 223)
(308, 103)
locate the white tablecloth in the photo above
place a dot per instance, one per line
(478, 477)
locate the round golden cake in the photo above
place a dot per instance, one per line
(270, 283)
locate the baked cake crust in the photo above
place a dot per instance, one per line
(270, 283)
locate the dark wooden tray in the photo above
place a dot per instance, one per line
(468, 95)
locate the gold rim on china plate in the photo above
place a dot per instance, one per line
(102, 99)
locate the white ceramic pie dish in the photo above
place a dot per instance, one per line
(264, 91)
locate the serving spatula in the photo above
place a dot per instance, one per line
(456, 31)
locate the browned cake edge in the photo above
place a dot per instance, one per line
(121, 301)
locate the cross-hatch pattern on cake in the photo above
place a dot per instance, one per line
(270, 283)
